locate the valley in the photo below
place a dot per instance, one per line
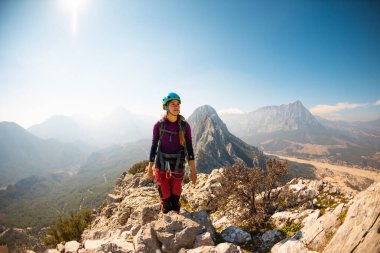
(349, 179)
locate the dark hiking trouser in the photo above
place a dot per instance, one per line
(170, 189)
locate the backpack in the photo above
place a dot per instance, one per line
(162, 157)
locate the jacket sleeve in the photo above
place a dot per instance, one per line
(153, 148)
(189, 143)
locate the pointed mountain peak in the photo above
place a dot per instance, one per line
(214, 145)
(205, 110)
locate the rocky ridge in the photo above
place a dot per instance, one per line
(215, 146)
(130, 221)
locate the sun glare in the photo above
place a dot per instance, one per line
(73, 7)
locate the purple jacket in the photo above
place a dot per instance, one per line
(170, 142)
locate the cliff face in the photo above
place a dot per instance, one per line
(215, 146)
(130, 220)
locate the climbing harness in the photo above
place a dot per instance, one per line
(164, 158)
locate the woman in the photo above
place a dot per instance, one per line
(171, 146)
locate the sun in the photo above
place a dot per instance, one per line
(73, 7)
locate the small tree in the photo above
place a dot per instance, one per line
(68, 229)
(247, 192)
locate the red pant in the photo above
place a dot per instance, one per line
(170, 189)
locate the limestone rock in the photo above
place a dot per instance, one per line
(359, 232)
(202, 218)
(93, 244)
(111, 198)
(72, 247)
(146, 240)
(237, 235)
(204, 239)
(272, 236)
(280, 219)
(203, 194)
(315, 234)
(220, 248)
(311, 218)
(61, 247)
(289, 246)
(175, 231)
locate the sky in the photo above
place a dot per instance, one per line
(67, 57)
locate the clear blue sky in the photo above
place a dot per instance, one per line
(90, 56)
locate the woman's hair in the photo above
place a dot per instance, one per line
(181, 133)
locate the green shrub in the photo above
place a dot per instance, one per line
(68, 229)
(291, 229)
(138, 167)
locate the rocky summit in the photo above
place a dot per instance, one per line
(322, 219)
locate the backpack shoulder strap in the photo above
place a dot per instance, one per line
(162, 128)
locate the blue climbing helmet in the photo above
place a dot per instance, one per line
(171, 96)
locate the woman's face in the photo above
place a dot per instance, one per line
(174, 107)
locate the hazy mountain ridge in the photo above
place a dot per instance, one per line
(23, 154)
(65, 192)
(120, 126)
(292, 130)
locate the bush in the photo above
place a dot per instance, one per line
(68, 229)
(291, 229)
(249, 190)
(138, 167)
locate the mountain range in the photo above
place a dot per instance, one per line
(86, 186)
(119, 127)
(292, 130)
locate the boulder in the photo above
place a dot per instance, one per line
(237, 235)
(220, 248)
(289, 245)
(93, 244)
(315, 234)
(202, 195)
(272, 236)
(202, 218)
(146, 214)
(204, 239)
(72, 247)
(146, 240)
(280, 219)
(360, 230)
(61, 247)
(175, 231)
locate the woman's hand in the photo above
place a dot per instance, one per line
(193, 172)
(193, 175)
(150, 171)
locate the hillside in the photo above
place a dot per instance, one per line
(23, 154)
(130, 220)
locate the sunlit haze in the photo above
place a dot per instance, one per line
(68, 57)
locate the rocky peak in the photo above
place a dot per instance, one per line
(214, 145)
(289, 117)
(206, 112)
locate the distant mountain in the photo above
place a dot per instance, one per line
(215, 146)
(120, 126)
(23, 154)
(62, 128)
(292, 130)
(39, 199)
